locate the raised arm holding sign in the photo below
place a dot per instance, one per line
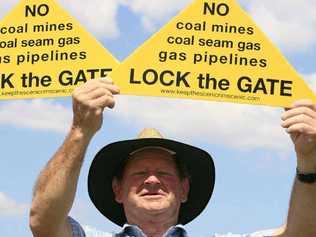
(300, 123)
(55, 190)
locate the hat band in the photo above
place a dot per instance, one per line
(153, 147)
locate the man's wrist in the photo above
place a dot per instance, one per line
(305, 177)
(306, 164)
(80, 134)
(306, 168)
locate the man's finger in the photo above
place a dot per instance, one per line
(104, 101)
(107, 80)
(91, 86)
(298, 128)
(302, 118)
(298, 111)
(99, 92)
(115, 90)
(108, 84)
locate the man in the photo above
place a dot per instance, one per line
(152, 184)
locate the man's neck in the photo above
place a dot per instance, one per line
(154, 229)
(155, 226)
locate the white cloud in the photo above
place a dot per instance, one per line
(237, 126)
(36, 114)
(98, 16)
(291, 24)
(93, 232)
(9, 207)
(153, 12)
(311, 80)
(243, 127)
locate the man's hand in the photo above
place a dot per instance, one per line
(300, 123)
(89, 102)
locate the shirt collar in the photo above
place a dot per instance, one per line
(135, 231)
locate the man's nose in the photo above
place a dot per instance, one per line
(152, 179)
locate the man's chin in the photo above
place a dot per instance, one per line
(155, 205)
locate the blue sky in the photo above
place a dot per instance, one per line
(254, 158)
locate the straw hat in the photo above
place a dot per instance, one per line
(199, 164)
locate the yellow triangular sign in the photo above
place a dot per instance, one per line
(212, 51)
(44, 52)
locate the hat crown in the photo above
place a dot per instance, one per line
(149, 133)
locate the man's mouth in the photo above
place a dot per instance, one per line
(152, 194)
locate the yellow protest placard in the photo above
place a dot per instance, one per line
(212, 51)
(44, 52)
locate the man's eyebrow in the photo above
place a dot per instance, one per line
(139, 172)
(165, 172)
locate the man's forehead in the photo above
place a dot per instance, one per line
(152, 154)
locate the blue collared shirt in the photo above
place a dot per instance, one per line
(134, 231)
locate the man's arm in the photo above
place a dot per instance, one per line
(300, 123)
(55, 189)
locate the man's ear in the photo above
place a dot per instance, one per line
(117, 190)
(185, 184)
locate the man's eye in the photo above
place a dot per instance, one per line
(163, 173)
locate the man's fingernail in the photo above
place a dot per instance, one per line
(107, 79)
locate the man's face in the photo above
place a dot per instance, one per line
(151, 185)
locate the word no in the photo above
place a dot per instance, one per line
(41, 10)
(221, 9)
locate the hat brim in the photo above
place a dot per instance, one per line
(199, 163)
